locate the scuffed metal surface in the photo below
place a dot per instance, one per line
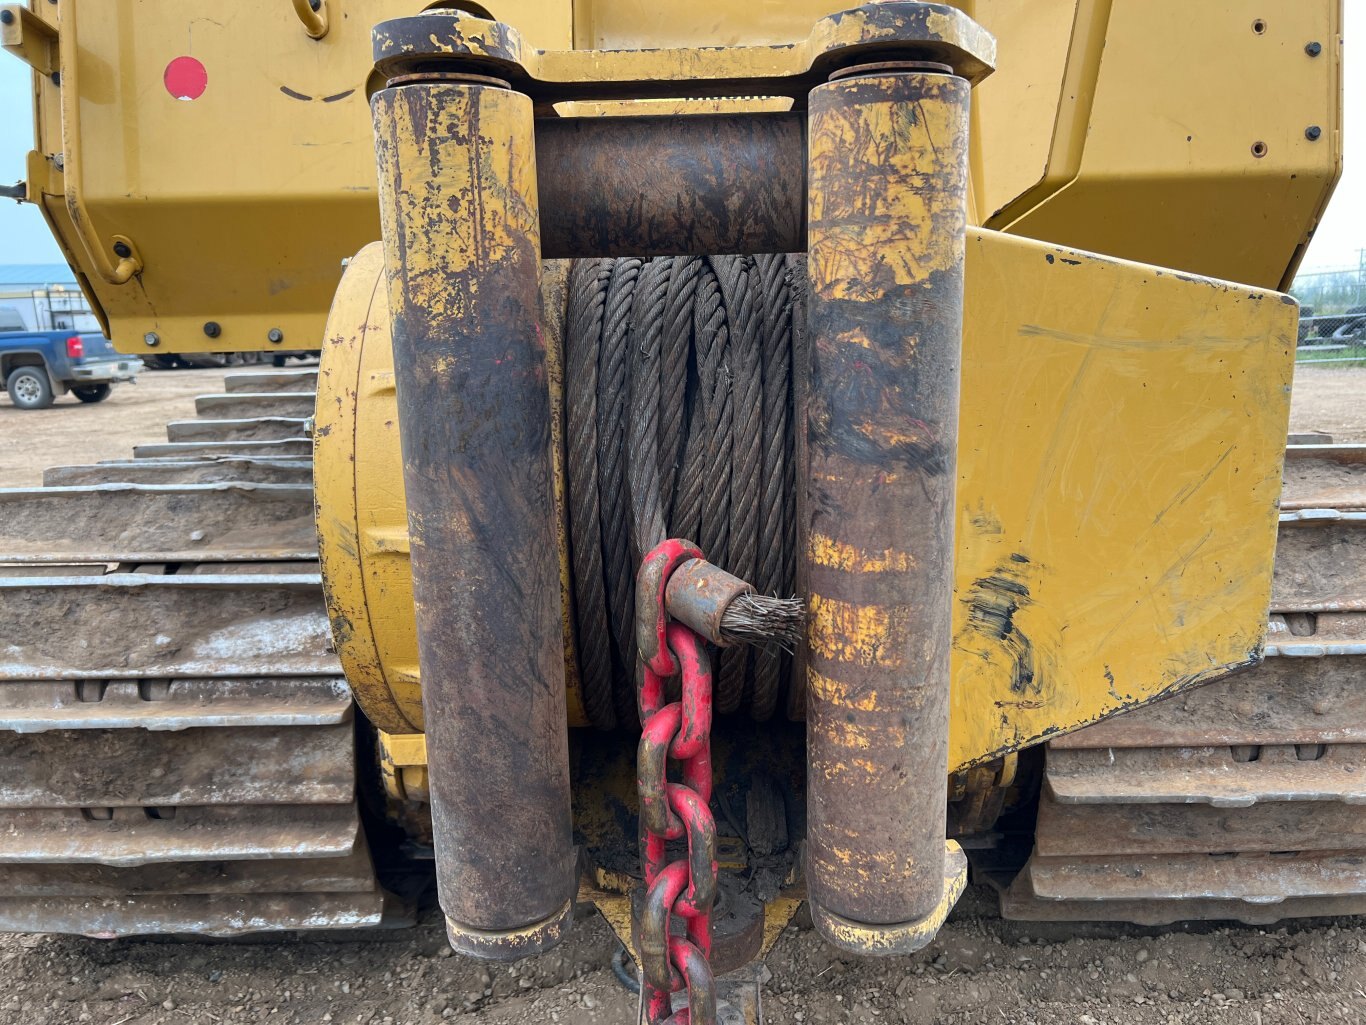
(239, 405)
(462, 251)
(204, 765)
(137, 626)
(125, 837)
(181, 450)
(158, 523)
(191, 914)
(206, 470)
(35, 707)
(263, 428)
(888, 184)
(283, 380)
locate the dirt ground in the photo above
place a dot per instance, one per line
(980, 970)
(72, 432)
(1330, 399)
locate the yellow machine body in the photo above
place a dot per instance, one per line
(1126, 353)
(238, 205)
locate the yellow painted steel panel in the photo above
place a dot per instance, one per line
(1167, 169)
(242, 201)
(1120, 447)
(1015, 111)
(361, 511)
(647, 24)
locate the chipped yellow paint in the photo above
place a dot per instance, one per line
(362, 517)
(403, 765)
(509, 944)
(854, 695)
(836, 554)
(905, 235)
(851, 737)
(358, 480)
(777, 915)
(902, 938)
(651, 60)
(862, 635)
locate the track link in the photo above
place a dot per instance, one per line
(1244, 799)
(178, 752)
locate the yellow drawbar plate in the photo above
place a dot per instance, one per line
(1120, 450)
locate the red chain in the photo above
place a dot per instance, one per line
(680, 730)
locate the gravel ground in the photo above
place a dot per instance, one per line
(1330, 399)
(979, 970)
(70, 431)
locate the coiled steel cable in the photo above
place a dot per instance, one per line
(679, 415)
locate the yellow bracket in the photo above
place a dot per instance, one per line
(28, 37)
(121, 246)
(313, 17)
(403, 765)
(924, 31)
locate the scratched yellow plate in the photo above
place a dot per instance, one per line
(1120, 448)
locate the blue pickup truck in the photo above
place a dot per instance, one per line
(38, 366)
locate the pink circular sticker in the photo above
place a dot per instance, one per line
(186, 78)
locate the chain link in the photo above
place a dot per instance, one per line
(680, 730)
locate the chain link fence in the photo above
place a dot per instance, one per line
(1332, 314)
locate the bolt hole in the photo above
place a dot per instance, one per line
(1246, 752)
(1259, 26)
(1259, 149)
(1310, 752)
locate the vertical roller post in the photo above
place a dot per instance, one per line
(887, 219)
(457, 177)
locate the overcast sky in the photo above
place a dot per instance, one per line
(24, 237)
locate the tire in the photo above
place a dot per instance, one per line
(1350, 331)
(93, 392)
(29, 388)
(1353, 327)
(206, 360)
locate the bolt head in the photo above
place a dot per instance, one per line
(275, 336)
(212, 329)
(315, 4)
(1313, 49)
(6, 17)
(151, 339)
(122, 251)
(1313, 132)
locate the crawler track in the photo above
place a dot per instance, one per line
(1244, 799)
(178, 752)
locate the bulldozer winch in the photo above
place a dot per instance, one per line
(791, 456)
